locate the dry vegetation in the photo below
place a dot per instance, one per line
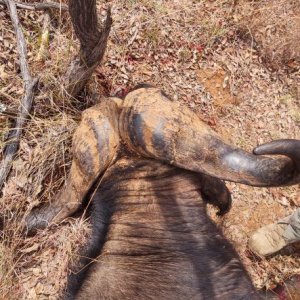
(236, 63)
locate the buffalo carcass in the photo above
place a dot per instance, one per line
(154, 164)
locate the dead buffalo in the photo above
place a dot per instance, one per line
(154, 165)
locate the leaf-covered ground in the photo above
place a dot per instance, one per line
(221, 58)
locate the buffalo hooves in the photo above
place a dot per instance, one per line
(39, 218)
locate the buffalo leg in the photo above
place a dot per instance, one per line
(215, 192)
(95, 146)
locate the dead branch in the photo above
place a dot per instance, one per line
(38, 5)
(29, 85)
(43, 51)
(93, 41)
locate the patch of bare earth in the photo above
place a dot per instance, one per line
(198, 53)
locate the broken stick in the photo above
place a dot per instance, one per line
(45, 37)
(26, 103)
(38, 5)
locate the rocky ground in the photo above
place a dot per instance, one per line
(235, 63)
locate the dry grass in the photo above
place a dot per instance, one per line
(192, 50)
(274, 27)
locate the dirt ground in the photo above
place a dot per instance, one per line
(221, 58)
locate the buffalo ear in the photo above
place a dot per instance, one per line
(287, 147)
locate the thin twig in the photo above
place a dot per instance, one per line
(38, 5)
(29, 86)
(8, 114)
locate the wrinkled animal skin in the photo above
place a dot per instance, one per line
(155, 165)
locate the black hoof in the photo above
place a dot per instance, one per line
(39, 218)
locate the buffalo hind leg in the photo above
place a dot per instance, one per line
(95, 146)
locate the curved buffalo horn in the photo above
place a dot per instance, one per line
(239, 166)
(287, 147)
(153, 126)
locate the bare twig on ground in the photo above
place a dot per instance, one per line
(93, 42)
(38, 5)
(8, 114)
(29, 85)
(43, 51)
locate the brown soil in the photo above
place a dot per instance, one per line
(217, 85)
